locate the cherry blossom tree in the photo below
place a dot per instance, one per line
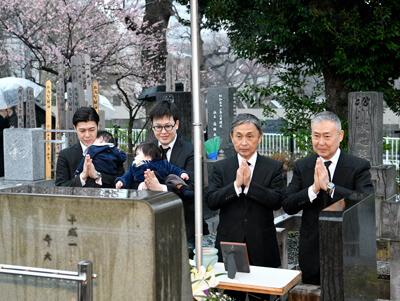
(112, 33)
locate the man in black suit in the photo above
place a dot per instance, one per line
(247, 188)
(164, 117)
(319, 181)
(86, 123)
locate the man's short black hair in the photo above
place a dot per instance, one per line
(149, 149)
(85, 114)
(164, 108)
(107, 137)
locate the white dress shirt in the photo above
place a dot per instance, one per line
(334, 160)
(252, 162)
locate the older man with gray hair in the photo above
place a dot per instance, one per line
(319, 181)
(246, 189)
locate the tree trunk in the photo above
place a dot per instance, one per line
(336, 94)
(159, 11)
(5, 69)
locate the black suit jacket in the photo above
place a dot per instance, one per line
(182, 156)
(67, 163)
(351, 175)
(248, 218)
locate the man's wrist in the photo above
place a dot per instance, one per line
(236, 185)
(82, 179)
(314, 188)
(330, 187)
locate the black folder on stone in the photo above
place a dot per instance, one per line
(235, 258)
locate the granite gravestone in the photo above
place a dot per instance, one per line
(116, 101)
(187, 70)
(60, 89)
(102, 123)
(24, 154)
(88, 80)
(170, 73)
(21, 111)
(30, 120)
(366, 125)
(221, 108)
(72, 139)
(365, 141)
(348, 249)
(61, 109)
(135, 239)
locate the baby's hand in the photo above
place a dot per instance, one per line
(119, 184)
(185, 176)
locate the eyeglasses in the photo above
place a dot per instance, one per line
(159, 128)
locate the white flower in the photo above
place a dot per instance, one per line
(202, 280)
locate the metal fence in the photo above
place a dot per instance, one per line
(121, 136)
(272, 144)
(391, 155)
(277, 143)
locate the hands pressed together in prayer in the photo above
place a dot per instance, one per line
(321, 176)
(243, 175)
(89, 171)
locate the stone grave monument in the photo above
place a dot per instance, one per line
(24, 154)
(135, 239)
(221, 108)
(365, 141)
(347, 244)
(116, 101)
(348, 249)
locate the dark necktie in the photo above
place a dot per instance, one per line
(325, 197)
(327, 164)
(164, 152)
(243, 186)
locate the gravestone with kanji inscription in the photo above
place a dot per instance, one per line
(24, 154)
(135, 239)
(221, 108)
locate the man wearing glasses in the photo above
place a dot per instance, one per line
(164, 119)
